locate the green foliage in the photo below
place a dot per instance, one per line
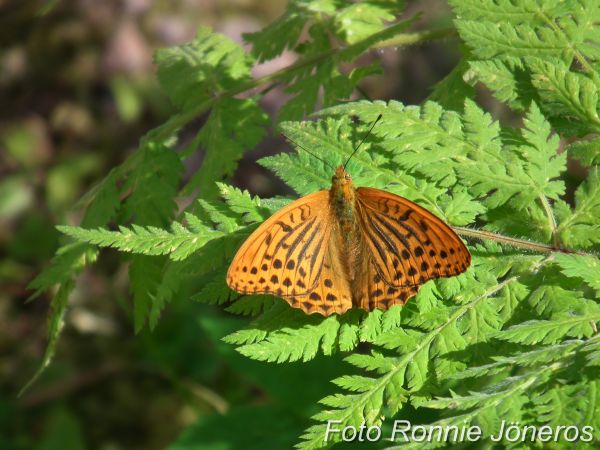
(513, 338)
(545, 51)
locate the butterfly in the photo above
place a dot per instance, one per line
(347, 247)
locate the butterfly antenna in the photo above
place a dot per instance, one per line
(363, 140)
(307, 151)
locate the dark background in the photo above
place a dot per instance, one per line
(77, 91)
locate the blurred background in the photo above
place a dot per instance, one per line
(77, 91)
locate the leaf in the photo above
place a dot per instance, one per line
(144, 275)
(290, 344)
(534, 13)
(586, 152)
(551, 331)
(178, 242)
(360, 20)
(152, 186)
(526, 51)
(490, 39)
(506, 77)
(68, 262)
(194, 72)
(581, 226)
(232, 127)
(406, 373)
(530, 175)
(583, 267)
(452, 91)
(280, 35)
(55, 324)
(572, 96)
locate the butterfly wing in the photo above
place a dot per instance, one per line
(293, 255)
(374, 293)
(408, 246)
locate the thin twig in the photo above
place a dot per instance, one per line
(514, 242)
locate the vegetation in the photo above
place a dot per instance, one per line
(514, 338)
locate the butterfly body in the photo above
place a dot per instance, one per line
(344, 247)
(343, 207)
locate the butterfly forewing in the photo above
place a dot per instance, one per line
(408, 244)
(292, 255)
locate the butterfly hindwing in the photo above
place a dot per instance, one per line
(408, 244)
(332, 293)
(375, 293)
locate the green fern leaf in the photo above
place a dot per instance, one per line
(586, 152)
(280, 35)
(491, 39)
(571, 403)
(55, 324)
(581, 226)
(192, 73)
(152, 184)
(586, 268)
(361, 20)
(543, 355)
(233, 126)
(572, 96)
(178, 242)
(551, 331)
(530, 174)
(507, 78)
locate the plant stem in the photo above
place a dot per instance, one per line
(514, 242)
(416, 38)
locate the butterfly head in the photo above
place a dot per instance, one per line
(341, 177)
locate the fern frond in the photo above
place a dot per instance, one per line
(281, 34)
(570, 95)
(233, 126)
(531, 173)
(581, 226)
(528, 398)
(58, 308)
(178, 242)
(331, 141)
(586, 152)
(551, 331)
(193, 72)
(526, 51)
(408, 372)
(586, 268)
(543, 355)
(69, 260)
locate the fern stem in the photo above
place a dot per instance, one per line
(513, 242)
(416, 38)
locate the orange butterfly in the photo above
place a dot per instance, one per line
(344, 247)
